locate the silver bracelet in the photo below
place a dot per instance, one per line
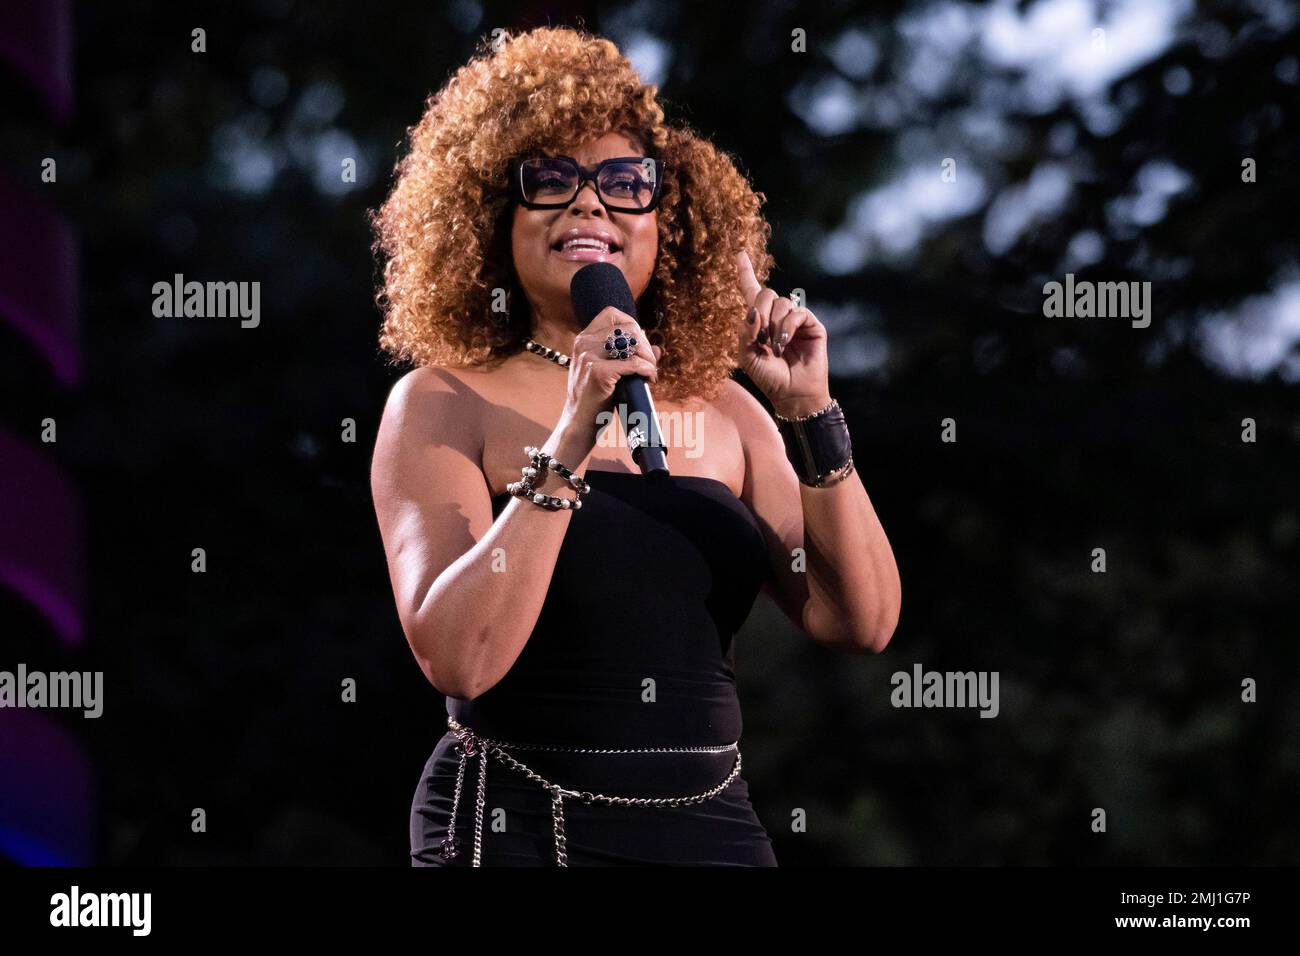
(804, 418)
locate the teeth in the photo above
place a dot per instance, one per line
(585, 243)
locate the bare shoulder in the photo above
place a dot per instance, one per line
(742, 443)
(430, 380)
(431, 405)
(453, 396)
(763, 448)
(417, 401)
(735, 403)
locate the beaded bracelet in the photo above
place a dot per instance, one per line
(539, 462)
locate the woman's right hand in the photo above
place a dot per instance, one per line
(593, 377)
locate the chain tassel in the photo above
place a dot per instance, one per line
(557, 816)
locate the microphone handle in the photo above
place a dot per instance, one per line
(641, 424)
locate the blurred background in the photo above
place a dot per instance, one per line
(1104, 139)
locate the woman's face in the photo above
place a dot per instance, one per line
(536, 236)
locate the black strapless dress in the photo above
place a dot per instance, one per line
(609, 667)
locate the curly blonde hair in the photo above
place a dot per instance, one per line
(444, 229)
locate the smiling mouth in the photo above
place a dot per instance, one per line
(585, 244)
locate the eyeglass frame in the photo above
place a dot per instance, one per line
(588, 174)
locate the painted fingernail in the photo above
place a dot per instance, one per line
(749, 317)
(762, 336)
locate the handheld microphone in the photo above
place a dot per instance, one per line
(595, 287)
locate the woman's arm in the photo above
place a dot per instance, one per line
(468, 590)
(845, 591)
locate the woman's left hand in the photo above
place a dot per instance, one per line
(782, 348)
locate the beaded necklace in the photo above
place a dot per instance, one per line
(537, 348)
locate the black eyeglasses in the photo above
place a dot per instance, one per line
(624, 184)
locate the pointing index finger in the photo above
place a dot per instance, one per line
(749, 285)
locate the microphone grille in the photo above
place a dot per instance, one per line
(597, 286)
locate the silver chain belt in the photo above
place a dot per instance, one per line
(471, 743)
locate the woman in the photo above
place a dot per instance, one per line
(579, 619)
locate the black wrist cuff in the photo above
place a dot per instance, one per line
(818, 445)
